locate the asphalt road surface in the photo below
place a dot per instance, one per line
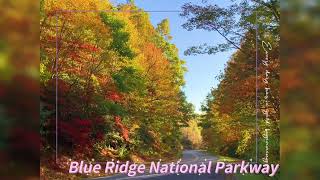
(189, 157)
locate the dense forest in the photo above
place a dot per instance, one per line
(119, 83)
(19, 89)
(229, 114)
(116, 83)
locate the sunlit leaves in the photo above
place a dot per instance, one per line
(117, 73)
(230, 109)
(120, 36)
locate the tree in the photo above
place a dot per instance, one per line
(230, 111)
(119, 82)
(232, 23)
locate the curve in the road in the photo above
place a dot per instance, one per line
(189, 157)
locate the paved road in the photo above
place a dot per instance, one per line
(189, 157)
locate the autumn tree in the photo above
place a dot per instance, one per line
(119, 82)
(230, 111)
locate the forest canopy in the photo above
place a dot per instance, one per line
(229, 111)
(119, 82)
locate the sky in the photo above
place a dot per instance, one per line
(202, 69)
